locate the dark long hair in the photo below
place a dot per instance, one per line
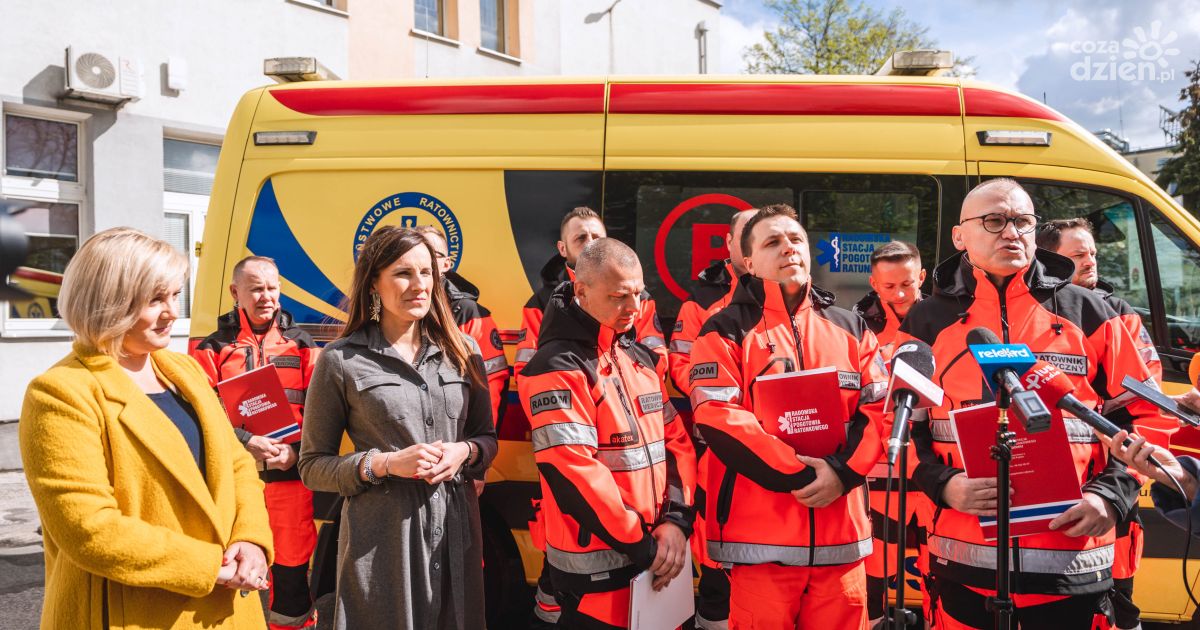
(381, 249)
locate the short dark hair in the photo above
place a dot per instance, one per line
(897, 252)
(1049, 234)
(764, 213)
(241, 264)
(582, 212)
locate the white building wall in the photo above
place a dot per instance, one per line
(223, 43)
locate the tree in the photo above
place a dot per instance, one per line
(1183, 170)
(836, 37)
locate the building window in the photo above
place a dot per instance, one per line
(491, 25)
(189, 167)
(429, 16)
(177, 230)
(41, 149)
(53, 232)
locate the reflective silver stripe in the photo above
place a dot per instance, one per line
(294, 396)
(1119, 402)
(709, 624)
(1054, 561)
(873, 392)
(563, 433)
(681, 345)
(669, 413)
(706, 393)
(587, 562)
(547, 607)
(750, 553)
(633, 458)
(525, 354)
(495, 364)
(653, 341)
(941, 429)
(1078, 431)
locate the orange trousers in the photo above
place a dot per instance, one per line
(606, 610)
(776, 597)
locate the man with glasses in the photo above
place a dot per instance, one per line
(1000, 281)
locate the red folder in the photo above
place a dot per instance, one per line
(255, 401)
(803, 409)
(1044, 480)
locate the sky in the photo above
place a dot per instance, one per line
(1107, 64)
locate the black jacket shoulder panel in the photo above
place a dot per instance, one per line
(1083, 307)
(930, 316)
(846, 320)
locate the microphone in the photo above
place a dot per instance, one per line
(1002, 364)
(910, 388)
(1055, 388)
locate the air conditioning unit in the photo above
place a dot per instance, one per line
(102, 77)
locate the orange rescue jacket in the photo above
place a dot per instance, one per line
(715, 290)
(752, 516)
(1065, 325)
(475, 320)
(614, 458)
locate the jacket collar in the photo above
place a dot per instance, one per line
(146, 422)
(768, 295)
(239, 323)
(459, 288)
(956, 277)
(718, 274)
(871, 308)
(556, 271)
(566, 320)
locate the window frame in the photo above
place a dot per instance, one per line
(1158, 312)
(23, 188)
(195, 206)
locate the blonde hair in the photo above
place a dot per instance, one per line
(110, 280)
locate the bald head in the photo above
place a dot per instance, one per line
(994, 192)
(733, 241)
(996, 228)
(608, 283)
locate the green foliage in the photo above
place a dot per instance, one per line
(1184, 169)
(836, 37)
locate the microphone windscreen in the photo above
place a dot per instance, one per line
(1049, 382)
(980, 336)
(917, 354)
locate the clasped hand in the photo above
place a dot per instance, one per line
(244, 568)
(433, 463)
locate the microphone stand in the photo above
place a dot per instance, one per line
(1002, 604)
(901, 615)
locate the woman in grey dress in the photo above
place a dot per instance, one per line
(407, 388)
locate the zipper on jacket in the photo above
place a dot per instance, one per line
(725, 502)
(1004, 310)
(796, 337)
(633, 425)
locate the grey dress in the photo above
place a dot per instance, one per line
(409, 554)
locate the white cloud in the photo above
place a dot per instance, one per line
(736, 36)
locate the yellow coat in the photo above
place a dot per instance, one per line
(130, 528)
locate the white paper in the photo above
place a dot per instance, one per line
(666, 609)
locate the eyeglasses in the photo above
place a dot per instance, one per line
(997, 222)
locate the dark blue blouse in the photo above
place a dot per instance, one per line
(183, 416)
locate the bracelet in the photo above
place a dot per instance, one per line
(366, 468)
(472, 453)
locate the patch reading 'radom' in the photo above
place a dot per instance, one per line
(553, 399)
(1069, 363)
(702, 370)
(649, 403)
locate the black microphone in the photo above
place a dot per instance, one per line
(910, 388)
(1055, 388)
(1002, 364)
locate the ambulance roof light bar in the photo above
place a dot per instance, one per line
(1012, 138)
(294, 69)
(917, 63)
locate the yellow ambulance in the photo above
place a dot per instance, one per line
(308, 170)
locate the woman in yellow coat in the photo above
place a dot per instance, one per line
(152, 512)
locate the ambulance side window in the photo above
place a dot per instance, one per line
(1179, 277)
(1119, 250)
(678, 221)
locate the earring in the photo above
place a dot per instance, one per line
(376, 306)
